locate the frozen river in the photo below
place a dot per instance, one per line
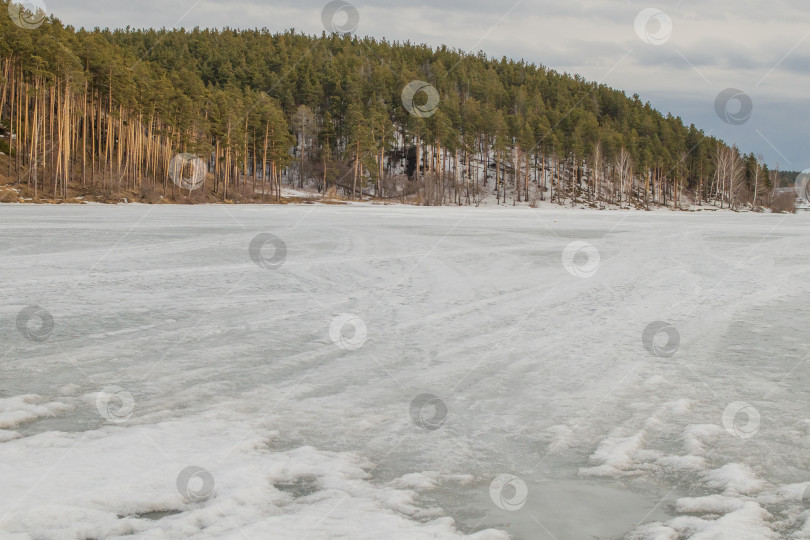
(367, 372)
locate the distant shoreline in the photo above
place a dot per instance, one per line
(314, 199)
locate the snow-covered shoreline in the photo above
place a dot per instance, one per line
(299, 197)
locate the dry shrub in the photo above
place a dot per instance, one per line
(149, 194)
(105, 193)
(243, 194)
(331, 193)
(196, 196)
(784, 202)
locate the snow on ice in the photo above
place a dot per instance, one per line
(366, 372)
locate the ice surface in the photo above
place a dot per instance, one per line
(175, 346)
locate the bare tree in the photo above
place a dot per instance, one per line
(721, 172)
(729, 174)
(737, 187)
(624, 168)
(774, 184)
(597, 164)
(304, 125)
(759, 172)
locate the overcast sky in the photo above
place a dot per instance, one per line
(679, 55)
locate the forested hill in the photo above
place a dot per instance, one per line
(111, 110)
